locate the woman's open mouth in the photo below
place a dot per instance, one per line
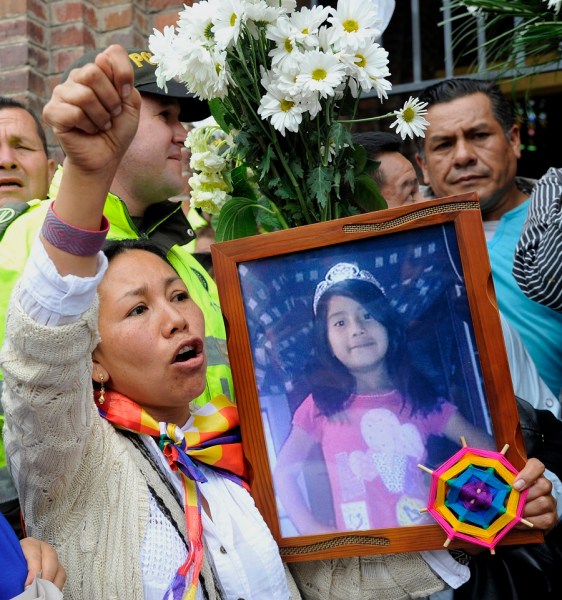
(186, 353)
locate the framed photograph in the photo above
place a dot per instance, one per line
(360, 348)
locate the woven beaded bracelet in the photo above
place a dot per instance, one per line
(71, 239)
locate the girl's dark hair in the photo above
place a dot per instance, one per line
(330, 382)
(113, 248)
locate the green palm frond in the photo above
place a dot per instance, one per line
(520, 34)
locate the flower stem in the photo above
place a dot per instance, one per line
(292, 178)
(367, 119)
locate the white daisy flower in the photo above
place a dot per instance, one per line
(368, 67)
(285, 80)
(328, 39)
(321, 72)
(228, 17)
(283, 111)
(311, 104)
(355, 22)
(381, 87)
(259, 12)
(196, 21)
(286, 53)
(554, 4)
(206, 72)
(306, 22)
(410, 119)
(285, 6)
(161, 44)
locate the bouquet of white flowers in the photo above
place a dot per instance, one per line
(284, 87)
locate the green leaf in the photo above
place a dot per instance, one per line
(319, 182)
(296, 168)
(266, 162)
(360, 158)
(266, 219)
(283, 190)
(240, 183)
(349, 177)
(220, 114)
(236, 219)
(339, 135)
(367, 195)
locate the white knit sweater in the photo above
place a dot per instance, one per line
(77, 469)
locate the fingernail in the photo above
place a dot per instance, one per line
(519, 485)
(126, 91)
(116, 112)
(107, 126)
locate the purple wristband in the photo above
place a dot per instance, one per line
(74, 240)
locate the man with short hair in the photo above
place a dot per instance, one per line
(25, 167)
(25, 174)
(138, 205)
(397, 181)
(473, 144)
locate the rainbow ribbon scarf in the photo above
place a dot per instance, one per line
(212, 438)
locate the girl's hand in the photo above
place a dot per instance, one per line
(42, 558)
(540, 507)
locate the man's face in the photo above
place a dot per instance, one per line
(151, 170)
(467, 150)
(25, 170)
(400, 185)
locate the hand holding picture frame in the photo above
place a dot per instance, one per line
(360, 348)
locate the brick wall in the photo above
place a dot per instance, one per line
(39, 39)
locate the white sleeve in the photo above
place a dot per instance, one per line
(51, 299)
(527, 383)
(451, 572)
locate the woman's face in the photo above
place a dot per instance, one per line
(356, 338)
(152, 334)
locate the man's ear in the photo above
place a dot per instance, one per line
(514, 138)
(51, 166)
(423, 168)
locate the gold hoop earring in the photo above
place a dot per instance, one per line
(101, 399)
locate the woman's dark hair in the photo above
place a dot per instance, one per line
(331, 383)
(113, 248)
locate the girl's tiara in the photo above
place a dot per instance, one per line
(343, 271)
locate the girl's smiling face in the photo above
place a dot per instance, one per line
(356, 338)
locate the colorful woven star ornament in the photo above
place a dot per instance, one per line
(472, 496)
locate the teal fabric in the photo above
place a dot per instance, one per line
(539, 326)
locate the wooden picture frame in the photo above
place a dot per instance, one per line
(431, 262)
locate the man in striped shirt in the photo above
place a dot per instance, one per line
(537, 266)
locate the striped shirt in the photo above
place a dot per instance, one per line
(537, 266)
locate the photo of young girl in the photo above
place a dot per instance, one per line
(368, 415)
